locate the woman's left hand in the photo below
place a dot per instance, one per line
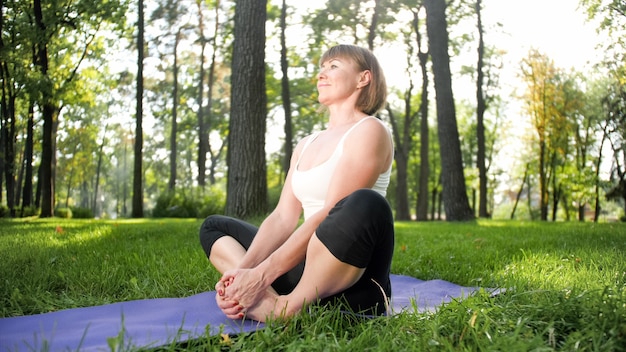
(243, 286)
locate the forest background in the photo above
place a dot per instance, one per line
(91, 126)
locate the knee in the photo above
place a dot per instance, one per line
(209, 231)
(370, 203)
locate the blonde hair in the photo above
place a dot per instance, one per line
(373, 96)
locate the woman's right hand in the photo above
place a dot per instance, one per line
(231, 308)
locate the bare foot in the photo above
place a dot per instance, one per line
(271, 306)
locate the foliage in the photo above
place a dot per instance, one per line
(183, 205)
(81, 213)
(565, 283)
(63, 213)
(91, 84)
(4, 211)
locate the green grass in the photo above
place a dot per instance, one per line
(565, 283)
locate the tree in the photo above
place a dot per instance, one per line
(612, 25)
(174, 126)
(551, 102)
(537, 70)
(247, 185)
(421, 208)
(202, 137)
(65, 37)
(480, 117)
(49, 114)
(285, 89)
(454, 193)
(10, 67)
(137, 210)
(615, 109)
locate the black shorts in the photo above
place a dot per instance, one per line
(358, 231)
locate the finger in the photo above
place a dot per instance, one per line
(228, 276)
(231, 309)
(235, 310)
(220, 288)
(228, 305)
(238, 316)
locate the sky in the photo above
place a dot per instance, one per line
(557, 28)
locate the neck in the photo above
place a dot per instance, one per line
(343, 116)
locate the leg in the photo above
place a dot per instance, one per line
(225, 240)
(349, 258)
(226, 253)
(324, 275)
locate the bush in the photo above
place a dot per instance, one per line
(213, 203)
(81, 213)
(65, 213)
(4, 211)
(29, 211)
(176, 205)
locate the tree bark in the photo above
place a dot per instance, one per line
(174, 130)
(371, 35)
(402, 148)
(454, 193)
(48, 114)
(137, 211)
(27, 192)
(421, 208)
(217, 155)
(285, 92)
(480, 124)
(94, 207)
(202, 135)
(247, 177)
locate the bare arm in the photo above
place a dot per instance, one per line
(278, 226)
(367, 153)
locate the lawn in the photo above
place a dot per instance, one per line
(565, 283)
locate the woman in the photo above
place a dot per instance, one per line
(342, 251)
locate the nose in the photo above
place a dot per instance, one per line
(321, 74)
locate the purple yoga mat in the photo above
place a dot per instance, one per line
(158, 322)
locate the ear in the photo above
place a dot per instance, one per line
(365, 78)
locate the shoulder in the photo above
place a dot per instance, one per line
(371, 130)
(302, 142)
(300, 145)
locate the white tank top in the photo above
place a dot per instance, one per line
(311, 186)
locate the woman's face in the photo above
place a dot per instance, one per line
(338, 80)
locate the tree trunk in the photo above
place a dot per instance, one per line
(480, 124)
(285, 92)
(247, 177)
(27, 193)
(401, 157)
(202, 135)
(7, 127)
(421, 209)
(371, 35)
(8, 139)
(48, 115)
(543, 183)
(137, 211)
(519, 194)
(454, 193)
(174, 130)
(597, 208)
(215, 157)
(94, 206)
